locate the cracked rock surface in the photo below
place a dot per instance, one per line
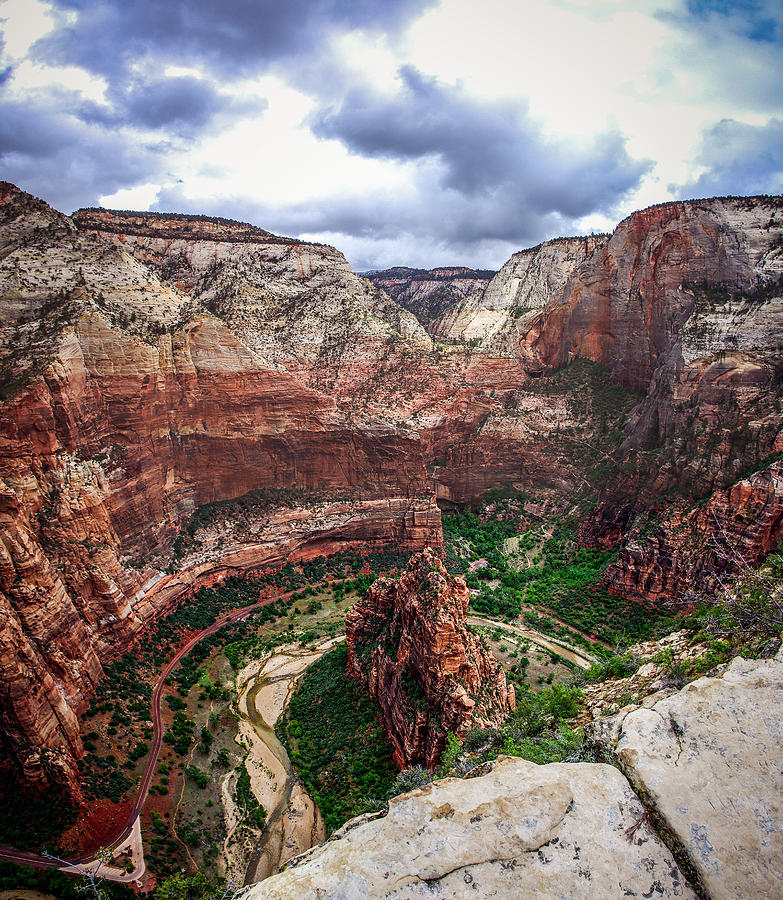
(523, 830)
(709, 762)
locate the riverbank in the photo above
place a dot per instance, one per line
(293, 822)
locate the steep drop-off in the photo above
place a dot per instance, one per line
(128, 406)
(151, 364)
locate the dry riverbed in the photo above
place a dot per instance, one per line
(293, 823)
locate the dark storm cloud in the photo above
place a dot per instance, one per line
(233, 37)
(740, 159)
(182, 105)
(479, 175)
(483, 151)
(73, 151)
(56, 156)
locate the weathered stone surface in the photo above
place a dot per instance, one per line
(709, 762)
(434, 293)
(523, 830)
(523, 287)
(407, 641)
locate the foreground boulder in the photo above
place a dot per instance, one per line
(523, 830)
(708, 761)
(408, 642)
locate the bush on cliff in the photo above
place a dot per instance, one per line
(537, 730)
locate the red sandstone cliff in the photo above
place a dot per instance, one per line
(407, 641)
(127, 406)
(149, 364)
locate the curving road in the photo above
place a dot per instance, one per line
(26, 858)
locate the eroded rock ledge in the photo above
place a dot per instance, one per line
(523, 830)
(707, 765)
(708, 761)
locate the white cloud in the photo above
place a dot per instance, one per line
(221, 122)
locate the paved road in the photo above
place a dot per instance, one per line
(25, 858)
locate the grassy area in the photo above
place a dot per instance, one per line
(547, 577)
(537, 730)
(333, 736)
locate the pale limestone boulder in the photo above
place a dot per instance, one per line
(562, 830)
(709, 761)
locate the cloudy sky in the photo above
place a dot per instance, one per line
(412, 132)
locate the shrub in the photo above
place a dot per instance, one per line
(409, 780)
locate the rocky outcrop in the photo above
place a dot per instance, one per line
(523, 287)
(562, 830)
(431, 293)
(407, 641)
(667, 553)
(708, 763)
(700, 813)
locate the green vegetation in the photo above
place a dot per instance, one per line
(612, 667)
(562, 578)
(409, 780)
(333, 736)
(187, 887)
(537, 730)
(246, 799)
(30, 821)
(180, 735)
(201, 778)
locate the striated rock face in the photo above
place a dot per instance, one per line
(298, 305)
(690, 542)
(638, 303)
(407, 641)
(562, 830)
(709, 763)
(523, 287)
(128, 405)
(434, 293)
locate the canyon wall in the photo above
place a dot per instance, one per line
(152, 363)
(431, 294)
(685, 303)
(524, 286)
(128, 405)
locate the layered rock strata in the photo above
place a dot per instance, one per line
(562, 830)
(408, 642)
(150, 364)
(524, 286)
(431, 294)
(129, 405)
